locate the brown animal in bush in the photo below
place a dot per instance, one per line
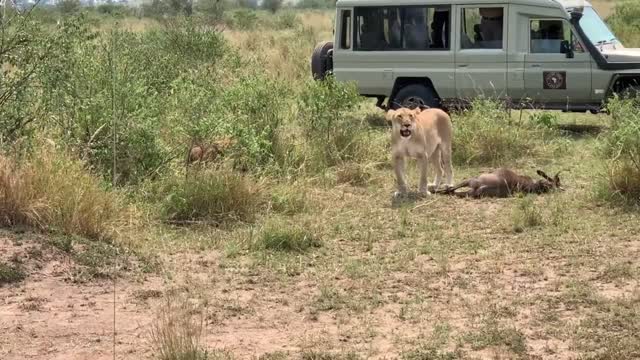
(504, 183)
(208, 152)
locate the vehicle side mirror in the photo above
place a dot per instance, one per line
(565, 48)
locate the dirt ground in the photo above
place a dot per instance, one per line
(431, 279)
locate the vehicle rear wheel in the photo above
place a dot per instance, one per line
(320, 64)
(415, 95)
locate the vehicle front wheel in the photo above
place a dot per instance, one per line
(415, 95)
(630, 92)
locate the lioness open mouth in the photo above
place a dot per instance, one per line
(405, 133)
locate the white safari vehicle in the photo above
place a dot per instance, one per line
(553, 54)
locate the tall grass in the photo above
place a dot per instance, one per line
(53, 192)
(210, 196)
(487, 135)
(177, 331)
(621, 148)
(625, 22)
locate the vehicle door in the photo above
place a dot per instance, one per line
(481, 56)
(557, 67)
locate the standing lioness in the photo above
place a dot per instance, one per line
(426, 136)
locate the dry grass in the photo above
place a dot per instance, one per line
(210, 196)
(177, 332)
(50, 191)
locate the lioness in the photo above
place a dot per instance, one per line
(426, 136)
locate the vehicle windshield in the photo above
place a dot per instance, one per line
(596, 29)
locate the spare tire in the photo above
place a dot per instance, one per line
(320, 60)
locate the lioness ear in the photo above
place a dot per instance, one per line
(417, 110)
(389, 115)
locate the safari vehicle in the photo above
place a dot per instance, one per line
(552, 54)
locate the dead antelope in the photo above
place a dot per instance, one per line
(504, 183)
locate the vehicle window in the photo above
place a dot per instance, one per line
(482, 28)
(345, 37)
(402, 28)
(553, 37)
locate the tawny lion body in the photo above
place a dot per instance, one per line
(208, 152)
(426, 136)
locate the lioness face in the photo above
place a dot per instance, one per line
(403, 120)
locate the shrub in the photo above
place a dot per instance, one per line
(212, 196)
(277, 237)
(625, 22)
(485, 135)
(67, 7)
(245, 19)
(115, 10)
(272, 5)
(23, 51)
(213, 9)
(177, 330)
(251, 112)
(544, 119)
(332, 134)
(621, 147)
(117, 86)
(10, 274)
(249, 4)
(315, 4)
(287, 20)
(51, 191)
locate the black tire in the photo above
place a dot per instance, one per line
(630, 92)
(415, 95)
(320, 64)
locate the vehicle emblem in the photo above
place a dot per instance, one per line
(554, 80)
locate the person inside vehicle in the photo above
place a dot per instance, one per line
(548, 39)
(371, 35)
(415, 29)
(440, 29)
(491, 26)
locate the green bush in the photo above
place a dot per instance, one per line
(316, 4)
(287, 20)
(621, 148)
(544, 119)
(101, 88)
(245, 19)
(24, 48)
(625, 23)
(291, 239)
(114, 10)
(209, 196)
(10, 274)
(68, 7)
(213, 9)
(486, 135)
(272, 5)
(333, 135)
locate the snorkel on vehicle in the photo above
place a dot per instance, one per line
(607, 51)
